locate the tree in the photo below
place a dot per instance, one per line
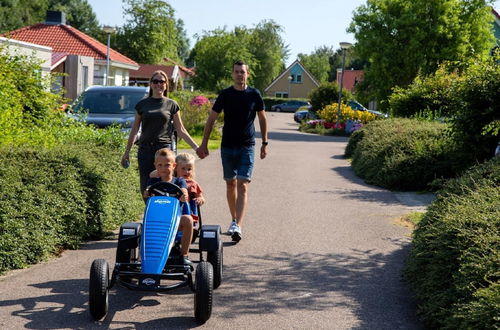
(262, 48)
(215, 52)
(269, 50)
(402, 38)
(150, 33)
(79, 14)
(318, 63)
(183, 47)
(15, 14)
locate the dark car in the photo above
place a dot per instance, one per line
(355, 105)
(301, 115)
(105, 105)
(290, 106)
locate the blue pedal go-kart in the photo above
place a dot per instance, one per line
(148, 257)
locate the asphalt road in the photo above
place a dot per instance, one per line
(321, 250)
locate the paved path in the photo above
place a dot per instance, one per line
(321, 250)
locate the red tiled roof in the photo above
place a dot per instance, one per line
(66, 39)
(146, 70)
(184, 70)
(57, 58)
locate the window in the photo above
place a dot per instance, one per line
(281, 94)
(299, 78)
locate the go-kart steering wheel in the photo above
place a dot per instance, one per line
(164, 188)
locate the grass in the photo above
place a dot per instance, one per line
(212, 144)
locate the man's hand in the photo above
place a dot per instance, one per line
(202, 151)
(263, 151)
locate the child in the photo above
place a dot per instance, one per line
(165, 166)
(185, 169)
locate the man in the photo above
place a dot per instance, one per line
(240, 103)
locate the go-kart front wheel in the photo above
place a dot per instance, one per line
(204, 287)
(98, 289)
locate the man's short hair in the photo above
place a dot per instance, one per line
(240, 62)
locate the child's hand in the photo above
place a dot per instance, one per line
(146, 193)
(184, 196)
(199, 200)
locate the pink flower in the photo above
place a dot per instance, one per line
(199, 100)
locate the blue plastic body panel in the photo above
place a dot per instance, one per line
(159, 228)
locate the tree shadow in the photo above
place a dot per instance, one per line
(366, 282)
(303, 137)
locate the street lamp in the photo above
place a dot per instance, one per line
(344, 46)
(289, 84)
(108, 30)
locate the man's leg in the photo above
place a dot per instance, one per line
(231, 194)
(241, 200)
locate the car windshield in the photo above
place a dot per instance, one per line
(108, 102)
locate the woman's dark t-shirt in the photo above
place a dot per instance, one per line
(156, 116)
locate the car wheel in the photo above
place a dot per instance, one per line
(216, 258)
(98, 289)
(278, 109)
(204, 287)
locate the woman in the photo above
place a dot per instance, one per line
(156, 114)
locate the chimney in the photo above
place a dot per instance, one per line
(55, 17)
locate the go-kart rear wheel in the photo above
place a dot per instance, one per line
(204, 287)
(216, 258)
(98, 288)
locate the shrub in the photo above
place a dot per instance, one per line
(403, 154)
(453, 262)
(54, 199)
(327, 93)
(354, 139)
(329, 113)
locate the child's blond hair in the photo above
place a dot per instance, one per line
(185, 158)
(165, 152)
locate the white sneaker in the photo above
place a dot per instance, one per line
(236, 236)
(232, 227)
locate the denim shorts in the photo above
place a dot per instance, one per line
(237, 163)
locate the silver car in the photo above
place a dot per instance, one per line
(105, 105)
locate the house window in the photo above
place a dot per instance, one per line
(299, 78)
(281, 94)
(292, 78)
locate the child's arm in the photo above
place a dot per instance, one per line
(184, 196)
(199, 199)
(146, 194)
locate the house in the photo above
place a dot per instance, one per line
(42, 53)
(178, 75)
(294, 82)
(496, 26)
(350, 79)
(76, 54)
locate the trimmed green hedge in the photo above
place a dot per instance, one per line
(53, 199)
(453, 265)
(402, 154)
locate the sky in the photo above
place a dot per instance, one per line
(307, 24)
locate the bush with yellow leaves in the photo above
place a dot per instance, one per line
(329, 114)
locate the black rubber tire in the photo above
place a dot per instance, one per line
(98, 289)
(204, 288)
(278, 109)
(216, 258)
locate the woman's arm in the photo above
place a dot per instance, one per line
(183, 133)
(131, 138)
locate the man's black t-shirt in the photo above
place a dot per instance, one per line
(240, 108)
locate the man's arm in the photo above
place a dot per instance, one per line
(202, 151)
(263, 133)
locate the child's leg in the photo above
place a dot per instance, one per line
(186, 226)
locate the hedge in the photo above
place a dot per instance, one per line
(54, 199)
(453, 265)
(403, 154)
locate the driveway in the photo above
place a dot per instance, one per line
(321, 250)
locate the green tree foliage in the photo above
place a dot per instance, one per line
(15, 14)
(150, 33)
(261, 47)
(326, 94)
(318, 63)
(269, 50)
(402, 38)
(183, 47)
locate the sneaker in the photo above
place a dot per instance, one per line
(186, 262)
(232, 227)
(236, 236)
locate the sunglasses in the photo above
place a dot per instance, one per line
(156, 81)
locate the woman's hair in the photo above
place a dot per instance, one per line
(160, 72)
(185, 158)
(165, 152)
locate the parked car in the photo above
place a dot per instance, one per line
(301, 115)
(355, 105)
(105, 105)
(290, 106)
